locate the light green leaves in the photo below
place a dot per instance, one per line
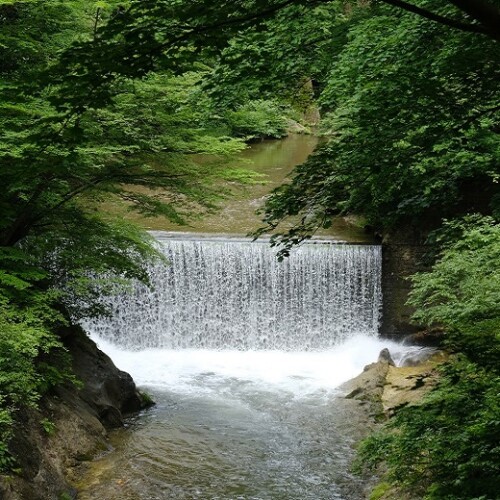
(464, 284)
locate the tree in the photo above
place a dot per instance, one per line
(447, 446)
(61, 156)
(412, 110)
(142, 38)
(107, 106)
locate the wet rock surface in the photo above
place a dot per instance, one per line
(108, 391)
(368, 386)
(77, 420)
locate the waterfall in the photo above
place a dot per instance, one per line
(234, 294)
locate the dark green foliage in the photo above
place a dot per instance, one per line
(448, 447)
(32, 358)
(464, 284)
(75, 134)
(411, 108)
(293, 49)
(257, 120)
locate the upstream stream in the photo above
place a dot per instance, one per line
(243, 356)
(274, 160)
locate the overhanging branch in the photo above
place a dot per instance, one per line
(482, 11)
(453, 23)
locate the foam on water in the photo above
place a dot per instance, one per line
(244, 356)
(225, 310)
(205, 371)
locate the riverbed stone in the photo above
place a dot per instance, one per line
(385, 357)
(368, 386)
(387, 387)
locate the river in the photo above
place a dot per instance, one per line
(237, 425)
(274, 160)
(243, 356)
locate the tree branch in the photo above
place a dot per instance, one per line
(482, 11)
(96, 21)
(485, 13)
(196, 30)
(453, 23)
(249, 17)
(94, 182)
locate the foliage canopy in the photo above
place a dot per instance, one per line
(411, 111)
(447, 447)
(73, 136)
(111, 99)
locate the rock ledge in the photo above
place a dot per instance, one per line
(79, 420)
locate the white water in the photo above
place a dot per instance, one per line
(244, 357)
(216, 373)
(254, 425)
(222, 294)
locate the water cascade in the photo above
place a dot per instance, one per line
(234, 294)
(243, 355)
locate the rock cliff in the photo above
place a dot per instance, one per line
(70, 424)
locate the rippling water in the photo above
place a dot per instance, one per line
(238, 425)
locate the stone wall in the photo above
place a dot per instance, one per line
(402, 256)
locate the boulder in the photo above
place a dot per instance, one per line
(386, 387)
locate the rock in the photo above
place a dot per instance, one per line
(108, 391)
(294, 127)
(80, 418)
(407, 385)
(384, 388)
(367, 388)
(417, 357)
(385, 357)
(428, 338)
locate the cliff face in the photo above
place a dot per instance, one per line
(76, 424)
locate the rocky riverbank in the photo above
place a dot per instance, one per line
(70, 424)
(382, 388)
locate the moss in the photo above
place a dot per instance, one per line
(379, 491)
(147, 399)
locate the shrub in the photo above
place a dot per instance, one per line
(448, 446)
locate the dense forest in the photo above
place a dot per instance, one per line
(112, 100)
